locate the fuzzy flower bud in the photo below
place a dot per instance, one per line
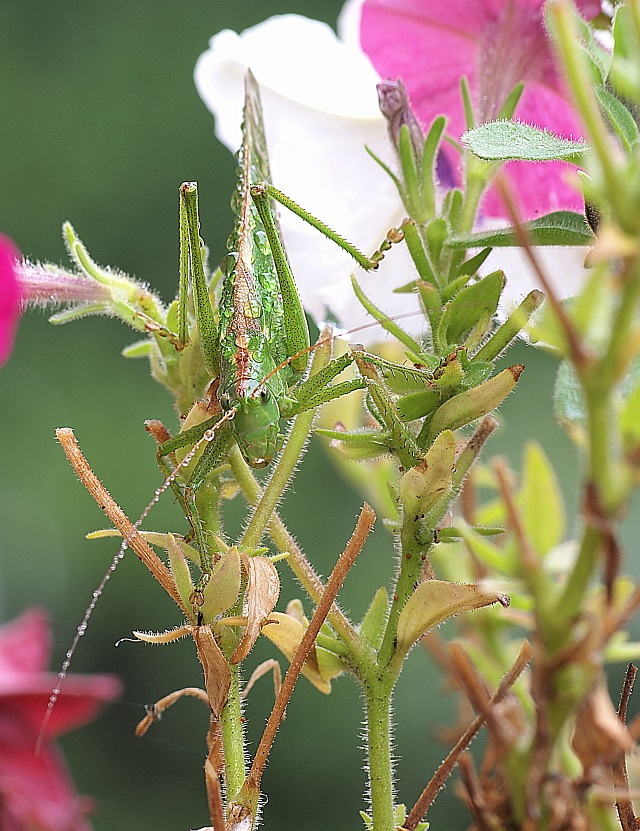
(394, 106)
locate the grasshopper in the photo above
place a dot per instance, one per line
(256, 348)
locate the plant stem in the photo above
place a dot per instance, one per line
(279, 479)
(378, 714)
(233, 737)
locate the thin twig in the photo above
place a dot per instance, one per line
(116, 515)
(624, 805)
(485, 819)
(578, 354)
(529, 558)
(442, 774)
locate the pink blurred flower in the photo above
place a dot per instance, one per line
(10, 296)
(36, 793)
(431, 44)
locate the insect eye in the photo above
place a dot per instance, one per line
(264, 394)
(225, 401)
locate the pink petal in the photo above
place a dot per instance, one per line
(80, 701)
(35, 791)
(430, 44)
(9, 297)
(25, 687)
(25, 643)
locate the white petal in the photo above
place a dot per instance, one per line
(563, 267)
(320, 108)
(349, 23)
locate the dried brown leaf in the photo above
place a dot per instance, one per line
(217, 675)
(263, 589)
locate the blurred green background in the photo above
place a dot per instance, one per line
(100, 122)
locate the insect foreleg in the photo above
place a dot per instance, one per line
(217, 438)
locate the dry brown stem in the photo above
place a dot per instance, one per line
(442, 774)
(116, 515)
(624, 805)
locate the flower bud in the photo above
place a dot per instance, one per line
(395, 107)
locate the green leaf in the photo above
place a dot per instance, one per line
(511, 102)
(431, 145)
(543, 508)
(568, 400)
(408, 163)
(383, 319)
(436, 233)
(223, 588)
(629, 422)
(358, 444)
(435, 601)
(180, 571)
(487, 552)
(466, 317)
(470, 267)
(557, 228)
(139, 349)
(620, 118)
(508, 140)
(372, 627)
(416, 405)
(474, 403)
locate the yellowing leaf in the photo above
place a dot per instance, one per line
(423, 485)
(321, 666)
(180, 572)
(435, 601)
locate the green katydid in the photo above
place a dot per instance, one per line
(258, 348)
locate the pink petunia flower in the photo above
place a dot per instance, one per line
(10, 296)
(36, 793)
(495, 44)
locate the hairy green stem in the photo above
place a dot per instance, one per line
(598, 381)
(414, 549)
(379, 743)
(581, 89)
(233, 737)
